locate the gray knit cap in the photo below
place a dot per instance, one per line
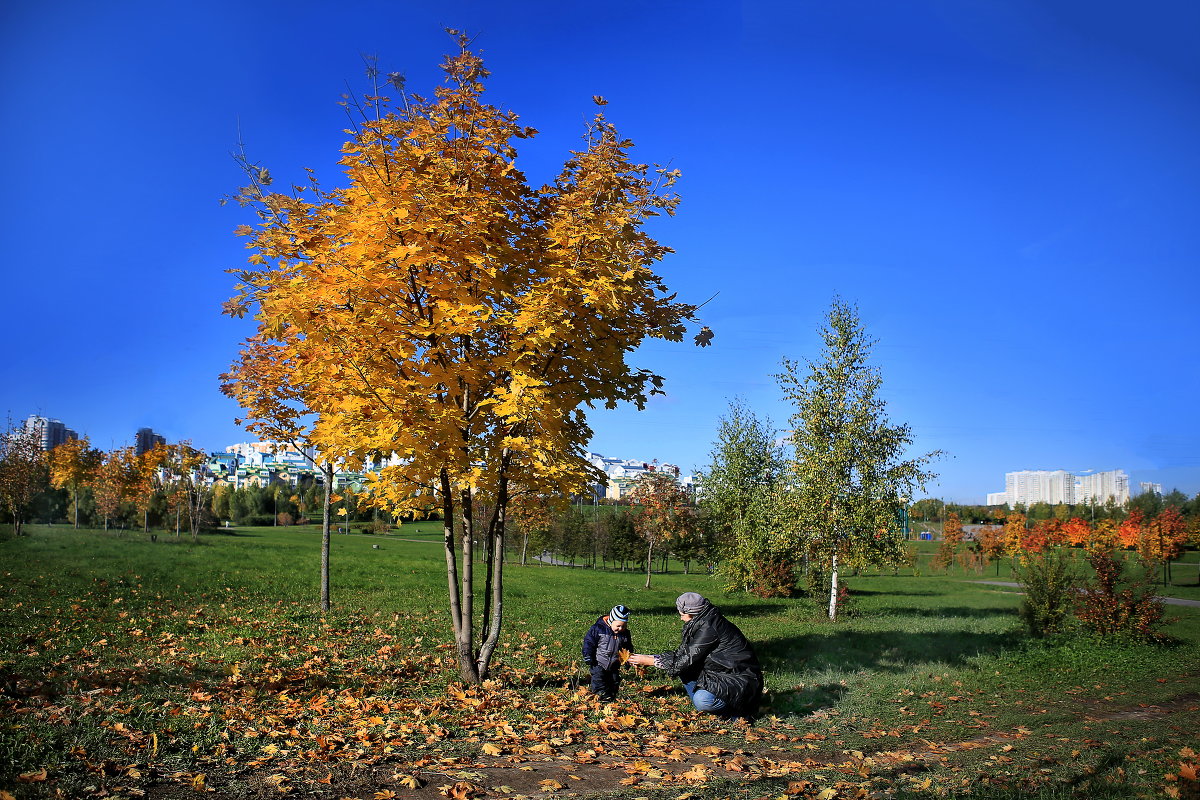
(691, 603)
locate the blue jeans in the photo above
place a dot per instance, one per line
(703, 699)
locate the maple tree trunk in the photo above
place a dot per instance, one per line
(466, 644)
(76, 508)
(328, 470)
(451, 558)
(495, 580)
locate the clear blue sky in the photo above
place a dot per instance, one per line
(1008, 189)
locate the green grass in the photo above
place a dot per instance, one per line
(119, 629)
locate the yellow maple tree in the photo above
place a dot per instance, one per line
(447, 323)
(72, 465)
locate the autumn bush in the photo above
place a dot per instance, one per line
(1051, 586)
(1116, 604)
(774, 577)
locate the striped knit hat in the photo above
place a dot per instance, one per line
(619, 613)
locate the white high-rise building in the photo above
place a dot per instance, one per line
(1098, 487)
(1029, 486)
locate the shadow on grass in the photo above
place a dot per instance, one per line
(882, 651)
(734, 611)
(943, 611)
(801, 701)
(856, 592)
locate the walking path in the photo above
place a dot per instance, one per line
(1171, 601)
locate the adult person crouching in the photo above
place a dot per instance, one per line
(714, 661)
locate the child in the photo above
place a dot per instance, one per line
(602, 646)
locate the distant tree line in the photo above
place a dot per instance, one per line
(935, 511)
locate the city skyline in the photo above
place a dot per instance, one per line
(1022, 487)
(980, 180)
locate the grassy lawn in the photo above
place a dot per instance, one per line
(133, 668)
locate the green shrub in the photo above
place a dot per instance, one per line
(1051, 585)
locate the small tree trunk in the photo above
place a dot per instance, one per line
(328, 470)
(524, 546)
(649, 562)
(466, 629)
(833, 586)
(76, 508)
(495, 596)
(461, 625)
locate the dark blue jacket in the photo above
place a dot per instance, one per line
(602, 645)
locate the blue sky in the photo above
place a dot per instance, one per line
(1008, 190)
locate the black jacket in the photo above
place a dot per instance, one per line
(715, 654)
(602, 645)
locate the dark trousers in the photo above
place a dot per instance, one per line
(606, 682)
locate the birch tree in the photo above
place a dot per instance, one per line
(848, 470)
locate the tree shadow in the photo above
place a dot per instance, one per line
(855, 592)
(733, 611)
(802, 701)
(891, 651)
(943, 611)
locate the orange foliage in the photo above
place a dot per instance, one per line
(1077, 532)
(1131, 531)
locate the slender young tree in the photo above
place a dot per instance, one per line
(849, 467)
(112, 482)
(147, 479)
(277, 409)
(663, 514)
(22, 472)
(441, 313)
(72, 465)
(188, 486)
(739, 483)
